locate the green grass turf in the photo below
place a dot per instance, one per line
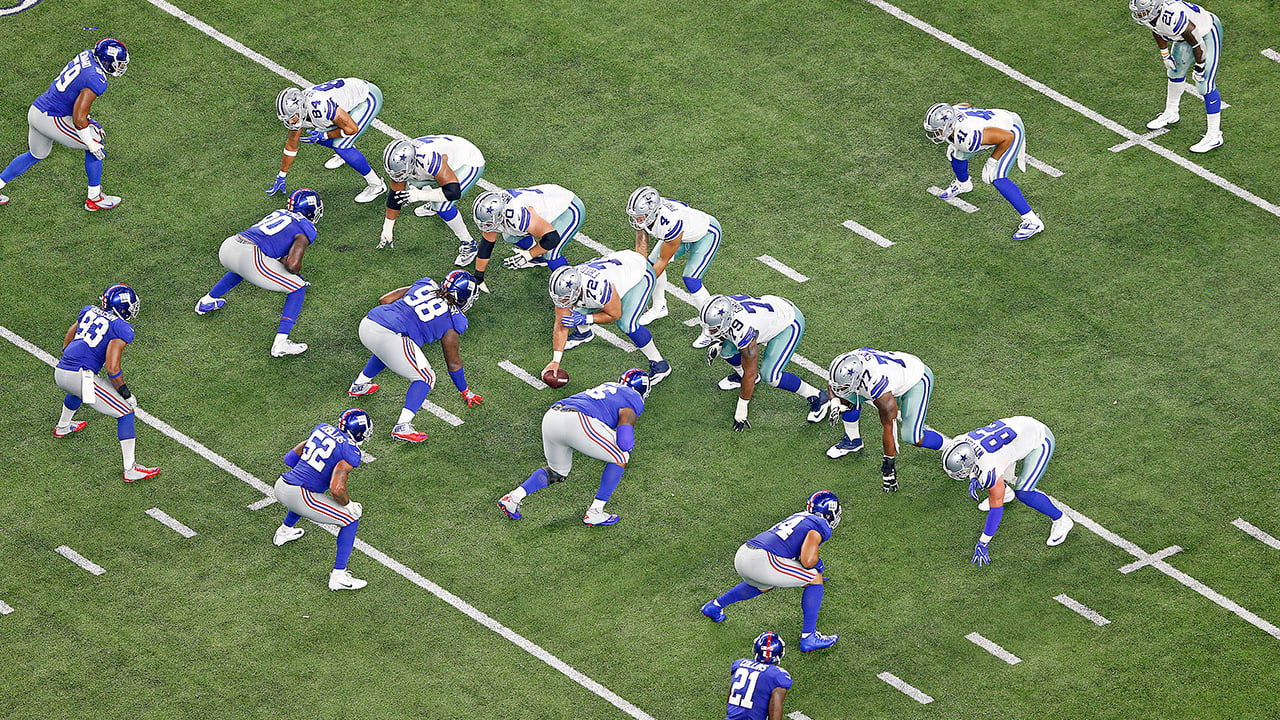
(1139, 326)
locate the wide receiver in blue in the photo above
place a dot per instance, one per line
(600, 423)
(758, 686)
(318, 464)
(786, 555)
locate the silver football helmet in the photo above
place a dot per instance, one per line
(1145, 11)
(289, 107)
(717, 316)
(940, 122)
(643, 207)
(565, 286)
(489, 210)
(960, 458)
(400, 159)
(844, 373)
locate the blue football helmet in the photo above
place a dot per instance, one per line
(112, 55)
(825, 503)
(460, 287)
(357, 425)
(120, 300)
(306, 202)
(637, 380)
(769, 647)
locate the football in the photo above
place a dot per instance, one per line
(557, 378)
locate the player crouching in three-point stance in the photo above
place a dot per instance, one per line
(320, 463)
(436, 170)
(404, 322)
(970, 131)
(95, 340)
(61, 115)
(539, 221)
(338, 112)
(987, 457)
(599, 423)
(1189, 38)
(269, 255)
(758, 686)
(786, 555)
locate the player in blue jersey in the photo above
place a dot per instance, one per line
(94, 341)
(269, 255)
(406, 320)
(318, 464)
(600, 423)
(786, 555)
(335, 115)
(61, 115)
(758, 686)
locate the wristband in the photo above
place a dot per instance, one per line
(291, 153)
(1164, 52)
(557, 356)
(590, 319)
(479, 276)
(124, 392)
(113, 377)
(984, 538)
(459, 379)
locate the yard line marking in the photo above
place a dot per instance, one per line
(993, 648)
(519, 372)
(1130, 143)
(614, 340)
(5, 608)
(868, 233)
(693, 322)
(1149, 559)
(897, 682)
(264, 502)
(1271, 54)
(1253, 530)
(936, 191)
(797, 715)
(1084, 610)
(1044, 167)
(168, 521)
(77, 558)
(809, 365)
(1049, 92)
(1191, 89)
(782, 268)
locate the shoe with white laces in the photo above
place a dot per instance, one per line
(703, 340)
(362, 389)
(658, 371)
(732, 381)
(844, 447)
(281, 347)
(285, 534)
(76, 426)
(1162, 120)
(1028, 228)
(425, 210)
(466, 254)
(1059, 531)
(334, 162)
(577, 336)
(598, 518)
(1207, 143)
(203, 306)
(510, 507)
(342, 580)
(956, 188)
(138, 472)
(816, 641)
(1009, 495)
(818, 407)
(406, 432)
(371, 192)
(657, 312)
(102, 202)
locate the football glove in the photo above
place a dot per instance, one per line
(521, 260)
(313, 136)
(277, 186)
(471, 398)
(740, 422)
(835, 408)
(713, 352)
(133, 401)
(414, 195)
(355, 509)
(981, 555)
(385, 239)
(889, 474)
(1197, 73)
(974, 487)
(1169, 63)
(990, 169)
(573, 319)
(822, 569)
(740, 425)
(484, 288)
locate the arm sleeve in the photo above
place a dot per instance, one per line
(123, 329)
(626, 437)
(291, 458)
(486, 249)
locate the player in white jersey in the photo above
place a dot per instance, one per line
(335, 114)
(987, 458)
(679, 230)
(436, 170)
(539, 221)
(969, 132)
(899, 385)
(757, 337)
(613, 288)
(1190, 39)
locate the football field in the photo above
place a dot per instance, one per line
(1141, 326)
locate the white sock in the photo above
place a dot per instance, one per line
(852, 430)
(459, 228)
(701, 297)
(597, 504)
(207, 298)
(126, 447)
(95, 192)
(406, 415)
(518, 494)
(660, 291)
(1031, 217)
(1215, 124)
(1173, 96)
(806, 390)
(362, 380)
(372, 178)
(68, 415)
(650, 351)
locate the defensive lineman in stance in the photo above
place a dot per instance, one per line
(757, 337)
(599, 423)
(987, 458)
(899, 385)
(334, 114)
(786, 555)
(680, 230)
(61, 115)
(757, 687)
(320, 463)
(613, 288)
(969, 132)
(95, 340)
(540, 221)
(1190, 39)
(436, 170)
(404, 322)
(269, 255)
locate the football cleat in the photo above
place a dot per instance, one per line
(844, 447)
(466, 254)
(76, 426)
(371, 193)
(138, 472)
(106, 202)
(818, 407)
(510, 507)
(1028, 228)
(203, 307)
(424, 210)
(956, 188)
(713, 611)
(598, 518)
(578, 337)
(1207, 143)
(1059, 531)
(657, 312)
(816, 641)
(342, 580)
(658, 371)
(733, 381)
(334, 162)
(285, 534)
(703, 340)
(285, 346)
(1009, 496)
(4, 199)
(406, 432)
(1162, 120)
(362, 389)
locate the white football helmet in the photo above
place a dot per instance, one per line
(400, 159)
(489, 210)
(1144, 12)
(960, 458)
(565, 287)
(643, 207)
(289, 108)
(717, 316)
(844, 373)
(940, 121)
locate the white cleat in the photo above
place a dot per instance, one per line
(285, 534)
(598, 518)
(280, 348)
(703, 340)
(1028, 228)
(1162, 120)
(102, 202)
(342, 580)
(4, 199)
(371, 192)
(733, 381)
(1009, 496)
(466, 255)
(657, 312)
(1059, 531)
(334, 162)
(1207, 143)
(424, 210)
(956, 188)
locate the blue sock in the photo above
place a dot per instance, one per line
(417, 395)
(693, 284)
(961, 169)
(224, 284)
(448, 213)
(346, 541)
(354, 159)
(373, 367)
(735, 360)
(609, 480)
(556, 262)
(1012, 194)
(92, 168)
(292, 306)
(811, 603)
(932, 439)
(292, 518)
(641, 336)
(738, 593)
(125, 428)
(851, 415)
(20, 164)
(71, 402)
(1040, 502)
(1213, 102)
(789, 382)
(536, 481)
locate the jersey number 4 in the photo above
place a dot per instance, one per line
(744, 686)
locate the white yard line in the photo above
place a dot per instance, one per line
(693, 322)
(797, 715)
(1084, 610)
(1271, 54)
(781, 267)
(1130, 143)
(78, 559)
(911, 692)
(1153, 557)
(15, 9)
(812, 367)
(264, 502)
(1044, 167)
(1049, 92)
(520, 373)
(956, 202)
(168, 521)
(1191, 90)
(609, 337)
(868, 233)
(5, 608)
(993, 648)
(1254, 531)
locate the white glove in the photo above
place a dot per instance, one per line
(484, 287)
(354, 509)
(740, 412)
(989, 170)
(385, 239)
(519, 261)
(433, 194)
(1169, 63)
(133, 401)
(88, 136)
(951, 151)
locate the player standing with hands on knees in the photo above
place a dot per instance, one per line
(1189, 38)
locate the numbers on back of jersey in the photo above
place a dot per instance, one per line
(979, 113)
(751, 304)
(319, 448)
(426, 303)
(93, 328)
(744, 687)
(882, 358)
(994, 436)
(784, 529)
(69, 74)
(603, 391)
(275, 222)
(331, 85)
